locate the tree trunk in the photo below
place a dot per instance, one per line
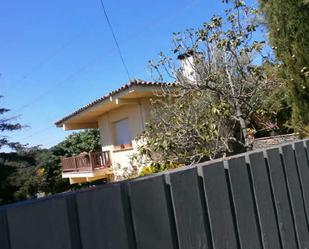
(243, 126)
(239, 115)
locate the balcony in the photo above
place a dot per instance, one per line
(87, 166)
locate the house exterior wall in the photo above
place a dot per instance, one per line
(137, 114)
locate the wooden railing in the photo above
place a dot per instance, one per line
(86, 162)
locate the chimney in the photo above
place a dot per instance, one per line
(188, 63)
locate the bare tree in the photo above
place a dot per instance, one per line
(219, 71)
(224, 59)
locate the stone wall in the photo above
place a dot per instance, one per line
(266, 142)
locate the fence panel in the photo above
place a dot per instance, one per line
(307, 148)
(41, 225)
(264, 203)
(152, 220)
(296, 199)
(219, 208)
(249, 236)
(281, 199)
(303, 169)
(103, 218)
(4, 232)
(255, 200)
(189, 210)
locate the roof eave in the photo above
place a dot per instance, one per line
(114, 96)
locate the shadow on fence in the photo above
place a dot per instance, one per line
(251, 201)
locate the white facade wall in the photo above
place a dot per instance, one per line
(137, 114)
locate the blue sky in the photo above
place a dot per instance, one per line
(57, 56)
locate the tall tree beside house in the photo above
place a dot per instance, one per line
(288, 25)
(223, 56)
(224, 63)
(77, 142)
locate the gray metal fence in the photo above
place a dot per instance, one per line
(251, 201)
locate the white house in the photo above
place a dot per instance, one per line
(120, 116)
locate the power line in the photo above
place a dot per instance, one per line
(39, 97)
(39, 132)
(115, 39)
(83, 68)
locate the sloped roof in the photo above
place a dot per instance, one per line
(135, 82)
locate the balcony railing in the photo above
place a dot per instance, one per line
(86, 162)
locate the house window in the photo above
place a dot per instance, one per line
(122, 132)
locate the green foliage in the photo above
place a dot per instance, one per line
(50, 162)
(288, 25)
(6, 125)
(223, 58)
(18, 175)
(275, 114)
(157, 167)
(27, 172)
(216, 100)
(183, 130)
(49, 171)
(74, 144)
(16, 168)
(232, 92)
(6, 189)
